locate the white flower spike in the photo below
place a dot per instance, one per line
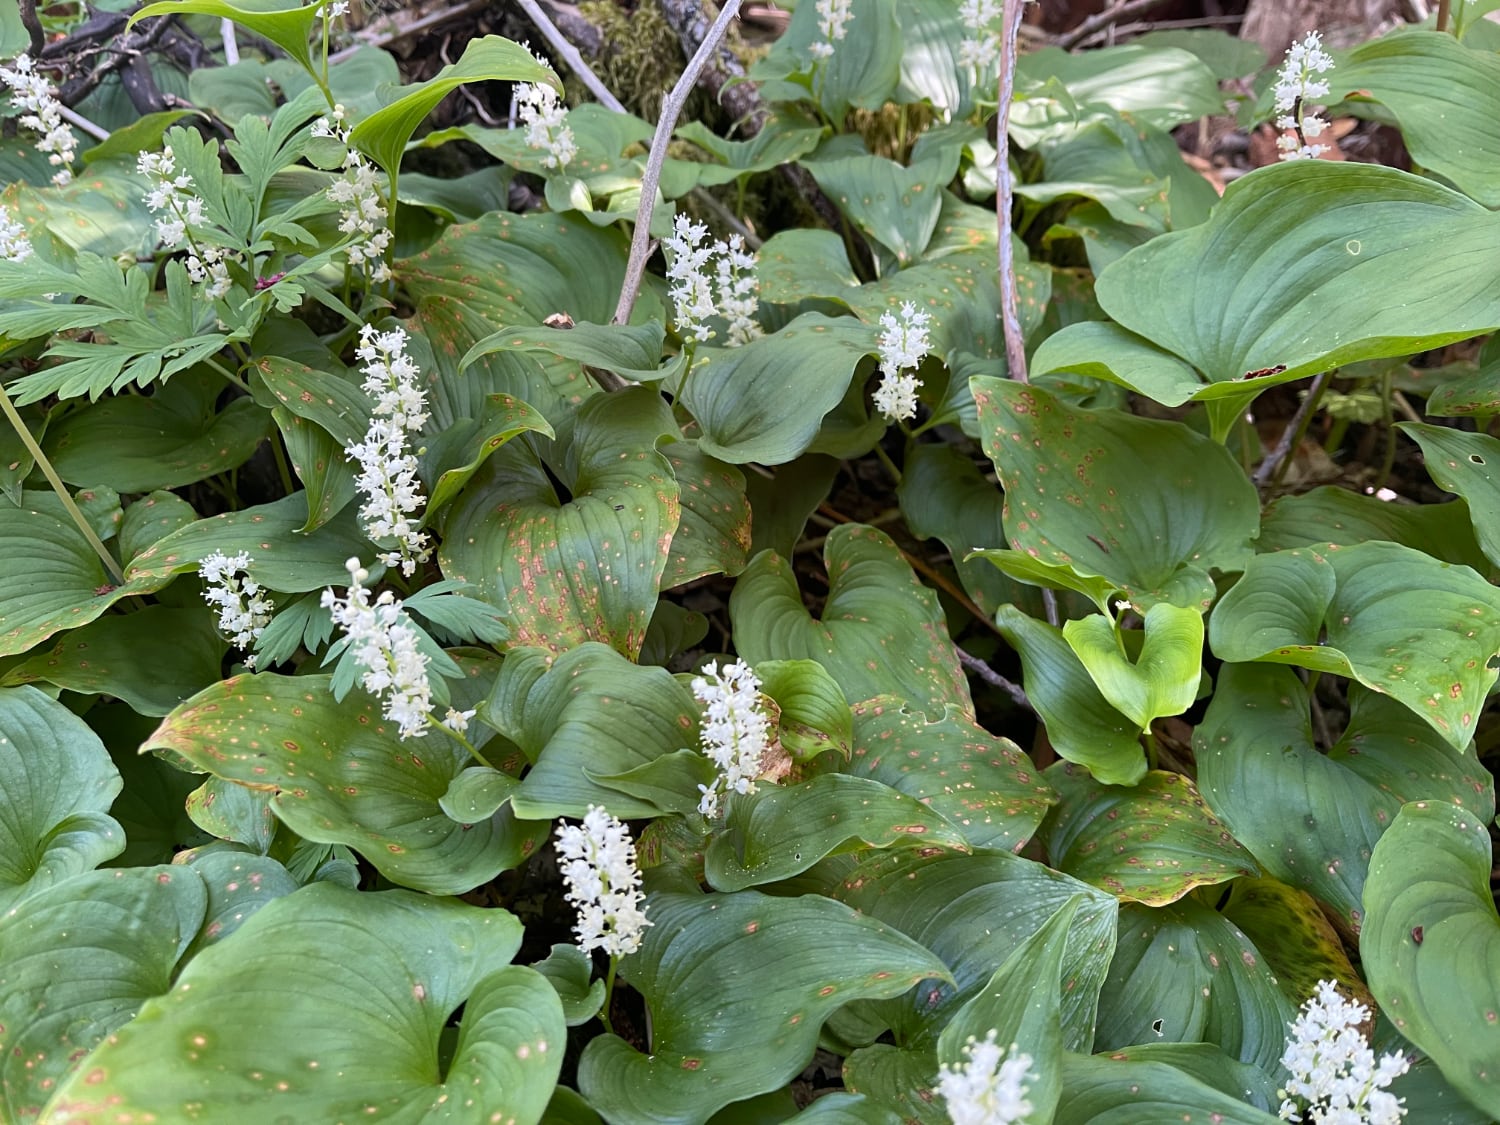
(546, 121)
(1296, 87)
(41, 112)
(987, 1088)
(604, 884)
(15, 246)
(362, 210)
(385, 646)
(903, 343)
(244, 609)
(735, 730)
(1335, 1078)
(833, 22)
(689, 258)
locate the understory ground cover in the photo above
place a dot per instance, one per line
(876, 562)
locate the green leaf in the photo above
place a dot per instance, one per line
(1442, 96)
(1149, 505)
(881, 631)
(232, 812)
(59, 783)
(845, 1109)
(632, 351)
(379, 976)
(814, 715)
(80, 959)
(105, 658)
(974, 911)
(1431, 942)
(1331, 514)
(583, 715)
(782, 138)
(584, 563)
(1185, 974)
(287, 27)
(863, 72)
(1106, 1090)
(1163, 679)
(571, 973)
(782, 831)
(151, 518)
(1024, 568)
(738, 987)
(1152, 843)
(1161, 86)
(455, 453)
(713, 535)
(1311, 819)
(238, 886)
(333, 399)
(342, 776)
(983, 784)
(1231, 297)
(894, 205)
(1460, 463)
(383, 135)
(765, 401)
(1081, 724)
(1298, 942)
(1393, 618)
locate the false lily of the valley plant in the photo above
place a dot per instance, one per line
(534, 614)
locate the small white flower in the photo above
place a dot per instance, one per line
(388, 477)
(1295, 88)
(987, 1088)
(456, 720)
(690, 255)
(604, 884)
(244, 610)
(385, 646)
(546, 121)
(903, 343)
(171, 192)
(15, 246)
(981, 46)
(209, 268)
(41, 112)
(362, 210)
(335, 10)
(833, 23)
(735, 730)
(1335, 1079)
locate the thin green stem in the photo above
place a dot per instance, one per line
(458, 737)
(228, 375)
(19, 425)
(609, 993)
(282, 468)
(1389, 461)
(890, 466)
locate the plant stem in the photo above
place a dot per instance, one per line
(571, 56)
(671, 108)
(19, 425)
(609, 993)
(1010, 317)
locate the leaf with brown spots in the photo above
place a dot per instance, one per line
(1394, 618)
(80, 958)
(348, 994)
(1193, 970)
(1150, 843)
(1134, 1087)
(985, 785)
(738, 987)
(342, 776)
(573, 550)
(881, 631)
(1311, 819)
(1292, 932)
(713, 536)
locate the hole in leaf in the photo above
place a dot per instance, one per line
(1475, 459)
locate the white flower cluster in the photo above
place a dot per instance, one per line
(903, 343)
(833, 22)
(1334, 1075)
(735, 730)
(695, 297)
(387, 465)
(42, 112)
(546, 121)
(981, 46)
(14, 245)
(1295, 87)
(987, 1088)
(385, 646)
(172, 192)
(604, 884)
(244, 609)
(362, 211)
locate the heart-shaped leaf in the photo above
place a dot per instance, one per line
(985, 785)
(80, 959)
(1163, 678)
(1461, 463)
(738, 987)
(342, 776)
(59, 783)
(379, 975)
(1431, 942)
(1312, 819)
(1391, 617)
(894, 205)
(1151, 843)
(1150, 505)
(782, 831)
(881, 631)
(815, 716)
(289, 28)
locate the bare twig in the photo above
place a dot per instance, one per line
(671, 107)
(1126, 30)
(73, 117)
(1010, 316)
(33, 25)
(570, 55)
(394, 32)
(1117, 11)
(231, 44)
(992, 677)
(1293, 432)
(1442, 14)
